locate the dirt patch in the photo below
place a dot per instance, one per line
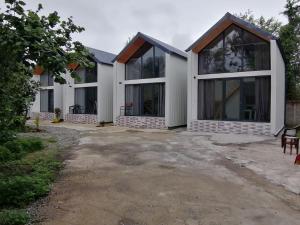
(149, 178)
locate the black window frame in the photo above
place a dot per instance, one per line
(242, 105)
(223, 49)
(141, 102)
(155, 74)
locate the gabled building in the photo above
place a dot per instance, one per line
(236, 80)
(149, 84)
(88, 100)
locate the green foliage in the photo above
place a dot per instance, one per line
(289, 35)
(18, 191)
(5, 154)
(271, 25)
(28, 39)
(290, 40)
(26, 172)
(16, 149)
(14, 217)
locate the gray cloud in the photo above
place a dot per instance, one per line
(177, 22)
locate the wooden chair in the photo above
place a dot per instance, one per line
(289, 132)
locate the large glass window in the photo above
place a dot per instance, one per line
(235, 50)
(145, 100)
(236, 99)
(147, 62)
(86, 75)
(46, 80)
(85, 100)
(46, 100)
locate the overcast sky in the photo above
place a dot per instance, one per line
(109, 23)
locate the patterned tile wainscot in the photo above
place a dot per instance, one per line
(81, 118)
(230, 127)
(42, 115)
(141, 122)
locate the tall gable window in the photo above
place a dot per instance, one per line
(147, 62)
(234, 50)
(87, 75)
(46, 80)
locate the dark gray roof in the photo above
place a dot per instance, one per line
(101, 56)
(237, 20)
(163, 46)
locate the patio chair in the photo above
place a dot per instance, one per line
(289, 132)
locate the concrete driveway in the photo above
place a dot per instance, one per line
(120, 176)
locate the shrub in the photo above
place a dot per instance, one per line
(31, 144)
(18, 191)
(14, 217)
(15, 148)
(5, 154)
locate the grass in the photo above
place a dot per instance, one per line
(27, 168)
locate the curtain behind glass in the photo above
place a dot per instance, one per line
(44, 100)
(263, 98)
(80, 99)
(132, 100)
(206, 92)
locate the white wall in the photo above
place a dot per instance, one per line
(192, 87)
(277, 88)
(118, 88)
(68, 93)
(105, 93)
(176, 87)
(58, 96)
(36, 104)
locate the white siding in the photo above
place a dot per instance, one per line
(192, 87)
(176, 85)
(119, 89)
(105, 93)
(277, 88)
(68, 93)
(36, 104)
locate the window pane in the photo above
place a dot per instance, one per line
(145, 100)
(148, 64)
(87, 75)
(46, 101)
(211, 58)
(159, 62)
(248, 111)
(232, 100)
(133, 69)
(263, 98)
(86, 100)
(239, 51)
(132, 100)
(46, 80)
(148, 106)
(218, 100)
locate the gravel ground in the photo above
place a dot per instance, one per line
(123, 176)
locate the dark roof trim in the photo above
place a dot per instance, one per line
(163, 46)
(238, 21)
(101, 57)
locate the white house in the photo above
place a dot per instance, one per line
(236, 80)
(86, 101)
(149, 84)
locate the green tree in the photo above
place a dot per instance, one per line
(271, 25)
(290, 40)
(28, 39)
